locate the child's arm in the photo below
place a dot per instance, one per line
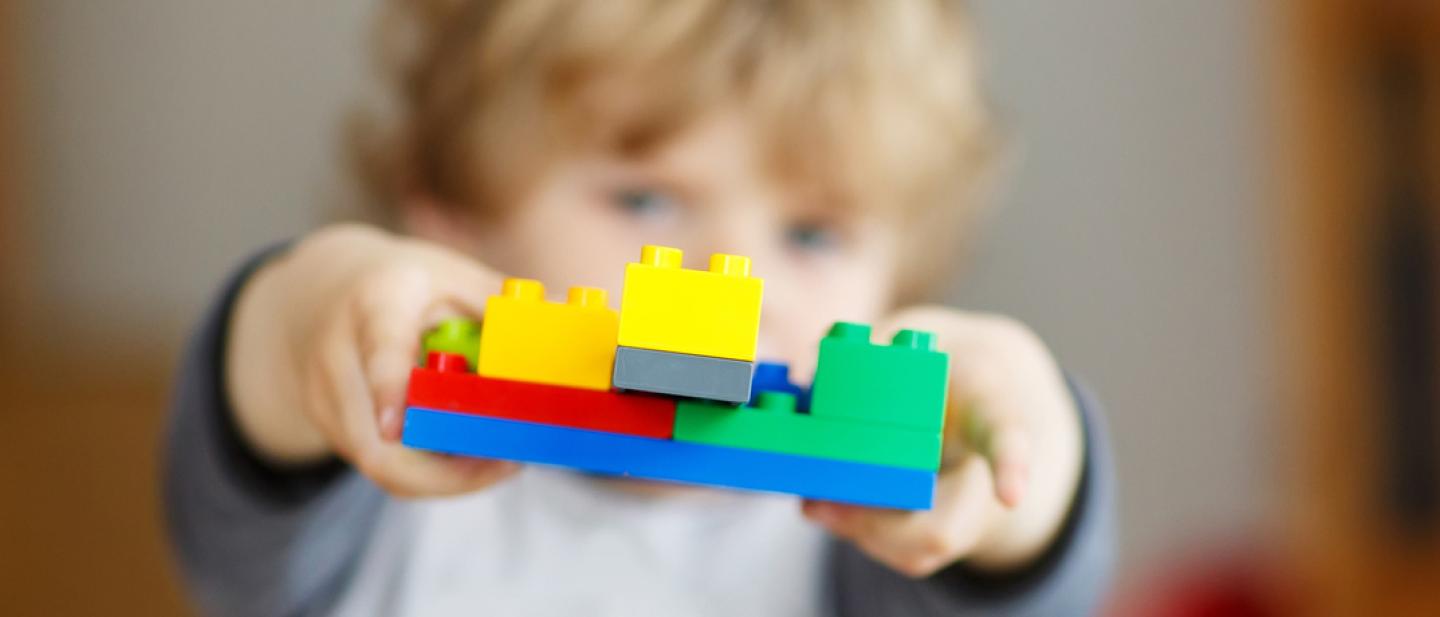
(265, 517)
(1024, 516)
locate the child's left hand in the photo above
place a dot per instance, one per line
(1012, 457)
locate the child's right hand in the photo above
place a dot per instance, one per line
(320, 349)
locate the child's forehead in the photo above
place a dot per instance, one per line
(870, 107)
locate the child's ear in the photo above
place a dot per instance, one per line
(429, 219)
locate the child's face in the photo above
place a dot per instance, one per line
(705, 191)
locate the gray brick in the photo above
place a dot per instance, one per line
(679, 374)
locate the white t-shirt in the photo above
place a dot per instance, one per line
(554, 542)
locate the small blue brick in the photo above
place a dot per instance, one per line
(660, 459)
(775, 377)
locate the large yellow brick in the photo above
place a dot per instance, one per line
(526, 338)
(668, 308)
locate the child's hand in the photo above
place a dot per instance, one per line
(321, 346)
(1011, 463)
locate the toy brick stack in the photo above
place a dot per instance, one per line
(668, 389)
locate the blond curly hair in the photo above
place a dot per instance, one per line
(877, 100)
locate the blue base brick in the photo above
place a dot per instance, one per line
(660, 459)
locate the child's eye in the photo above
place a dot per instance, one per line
(812, 237)
(645, 203)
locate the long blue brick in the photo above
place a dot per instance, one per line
(660, 459)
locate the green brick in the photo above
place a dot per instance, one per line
(903, 384)
(775, 426)
(457, 336)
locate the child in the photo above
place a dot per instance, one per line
(831, 142)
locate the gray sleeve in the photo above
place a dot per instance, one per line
(252, 539)
(1070, 578)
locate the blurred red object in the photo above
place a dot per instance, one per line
(1234, 583)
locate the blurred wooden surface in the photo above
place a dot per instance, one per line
(79, 445)
(1347, 64)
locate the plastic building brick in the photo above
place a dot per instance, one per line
(579, 385)
(714, 313)
(446, 362)
(903, 384)
(775, 377)
(775, 426)
(434, 387)
(527, 338)
(457, 336)
(677, 374)
(659, 459)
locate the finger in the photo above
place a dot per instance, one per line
(325, 401)
(406, 473)
(395, 307)
(1009, 457)
(850, 521)
(884, 535)
(916, 543)
(1005, 444)
(912, 543)
(460, 282)
(401, 471)
(390, 311)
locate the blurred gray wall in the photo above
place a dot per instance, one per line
(168, 138)
(1130, 237)
(171, 137)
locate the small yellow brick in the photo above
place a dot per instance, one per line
(710, 313)
(525, 338)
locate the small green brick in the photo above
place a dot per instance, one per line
(457, 336)
(903, 384)
(775, 426)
